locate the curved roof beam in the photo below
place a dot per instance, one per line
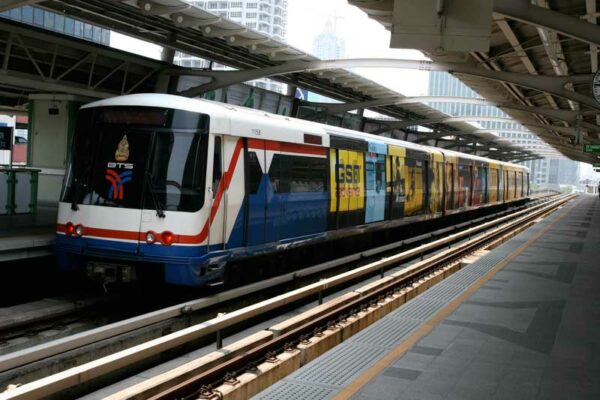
(345, 107)
(561, 129)
(442, 120)
(182, 20)
(390, 125)
(563, 115)
(251, 43)
(438, 135)
(525, 11)
(550, 84)
(149, 7)
(209, 31)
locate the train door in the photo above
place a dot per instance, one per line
(276, 194)
(449, 183)
(436, 184)
(256, 191)
(347, 195)
(464, 184)
(506, 186)
(218, 196)
(397, 195)
(375, 182)
(299, 197)
(500, 174)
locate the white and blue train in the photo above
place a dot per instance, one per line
(189, 186)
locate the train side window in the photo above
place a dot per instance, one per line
(297, 174)
(308, 174)
(254, 173)
(217, 166)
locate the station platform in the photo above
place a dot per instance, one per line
(521, 322)
(25, 236)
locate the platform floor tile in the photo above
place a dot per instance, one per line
(532, 331)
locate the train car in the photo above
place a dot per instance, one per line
(186, 187)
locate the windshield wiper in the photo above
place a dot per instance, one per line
(159, 210)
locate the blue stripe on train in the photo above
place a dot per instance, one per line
(274, 216)
(275, 219)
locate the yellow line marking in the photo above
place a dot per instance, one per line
(372, 372)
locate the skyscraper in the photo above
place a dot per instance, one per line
(327, 45)
(265, 16)
(543, 171)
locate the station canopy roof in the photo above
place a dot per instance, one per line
(539, 38)
(177, 25)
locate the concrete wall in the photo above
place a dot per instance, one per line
(49, 140)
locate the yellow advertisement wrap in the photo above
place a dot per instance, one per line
(349, 176)
(436, 189)
(493, 185)
(413, 175)
(333, 180)
(396, 151)
(451, 181)
(511, 185)
(356, 194)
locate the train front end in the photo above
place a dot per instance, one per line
(134, 198)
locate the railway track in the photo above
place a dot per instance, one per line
(55, 385)
(25, 326)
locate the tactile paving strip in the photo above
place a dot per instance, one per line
(342, 364)
(444, 292)
(421, 309)
(337, 368)
(294, 391)
(388, 334)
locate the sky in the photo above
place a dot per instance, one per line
(364, 38)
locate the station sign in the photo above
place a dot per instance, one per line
(6, 137)
(591, 148)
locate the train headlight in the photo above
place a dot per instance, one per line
(150, 237)
(167, 238)
(69, 228)
(79, 230)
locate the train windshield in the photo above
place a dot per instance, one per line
(138, 157)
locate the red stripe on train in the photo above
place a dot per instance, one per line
(184, 239)
(286, 147)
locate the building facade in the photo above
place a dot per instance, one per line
(265, 16)
(327, 46)
(547, 171)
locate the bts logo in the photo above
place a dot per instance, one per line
(348, 173)
(116, 183)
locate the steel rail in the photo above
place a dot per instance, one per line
(109, 364)
(45, 350)
(253, 357)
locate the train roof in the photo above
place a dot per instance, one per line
(223, 110)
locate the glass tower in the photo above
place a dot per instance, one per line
(265, 16)
(543, 171)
